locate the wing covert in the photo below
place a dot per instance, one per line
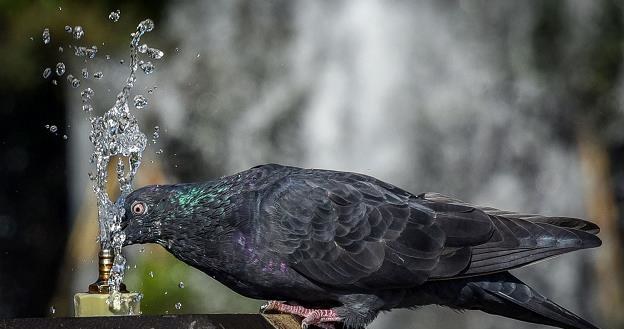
(346, 229)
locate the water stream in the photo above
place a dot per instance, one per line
(115, 136)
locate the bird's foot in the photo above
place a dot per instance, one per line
(321, 318)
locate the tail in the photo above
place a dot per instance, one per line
(501, 294)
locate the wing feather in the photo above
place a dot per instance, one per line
(343, 229)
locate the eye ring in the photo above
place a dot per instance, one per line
(138, 208)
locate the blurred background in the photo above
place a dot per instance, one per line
(510, 104)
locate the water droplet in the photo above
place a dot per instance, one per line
(60, 69)
(145, 26)
(68, 29)
(151, 274)
(198, 54)
(108, 57)
(87, 94)
(53, 129)
(142, 250)
(178, 305)
(87, 107)
(85, 73)
(47, 72)
(65, 137)
(32, 38)
(140, 101)
(177, 50)
(156, 134)
(181, 285)
(114, 15)
(121, 61)
(91, 52)
(159, 152)
(84, 51)
(75, 83)
(91, 176)
(147, 67)
(78, 32)
(80, 51)
(155, 53)
(52, 309)
(166, 293)
(98, 75)
(54, 82)
(60, 49)
(46, 36)
(142, 48)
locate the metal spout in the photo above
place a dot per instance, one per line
(105, 262)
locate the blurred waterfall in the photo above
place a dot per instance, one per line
(435, 96)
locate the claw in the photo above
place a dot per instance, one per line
(321, 318)
(270, 305)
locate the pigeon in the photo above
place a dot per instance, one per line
(337, 248)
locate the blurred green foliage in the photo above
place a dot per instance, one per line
(158, 274)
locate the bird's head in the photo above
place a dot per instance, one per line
(146, 211)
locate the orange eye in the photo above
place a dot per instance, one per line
(139, 208)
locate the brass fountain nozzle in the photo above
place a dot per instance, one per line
(105, 262)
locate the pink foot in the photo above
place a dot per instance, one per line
(317, 317)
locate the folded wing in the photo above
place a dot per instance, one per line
(350, 230)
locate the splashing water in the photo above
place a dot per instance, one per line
(78, 32)
(114, 15)
(117, 134)
(87, 94)
(140, 102)
(147, 67)
(47, 72)
(46, 36)
(60, 69)
(156, 134)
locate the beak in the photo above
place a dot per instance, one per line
(124, 225)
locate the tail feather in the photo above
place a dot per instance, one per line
(500, 294)
(505, 295)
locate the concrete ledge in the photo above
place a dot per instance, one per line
(186, 321)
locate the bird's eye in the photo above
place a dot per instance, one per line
(139, 208)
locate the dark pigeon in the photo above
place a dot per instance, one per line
(339, 247)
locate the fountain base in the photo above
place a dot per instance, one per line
(88, 304)
(96, 301)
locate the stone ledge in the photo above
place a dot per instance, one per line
(185, 321)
